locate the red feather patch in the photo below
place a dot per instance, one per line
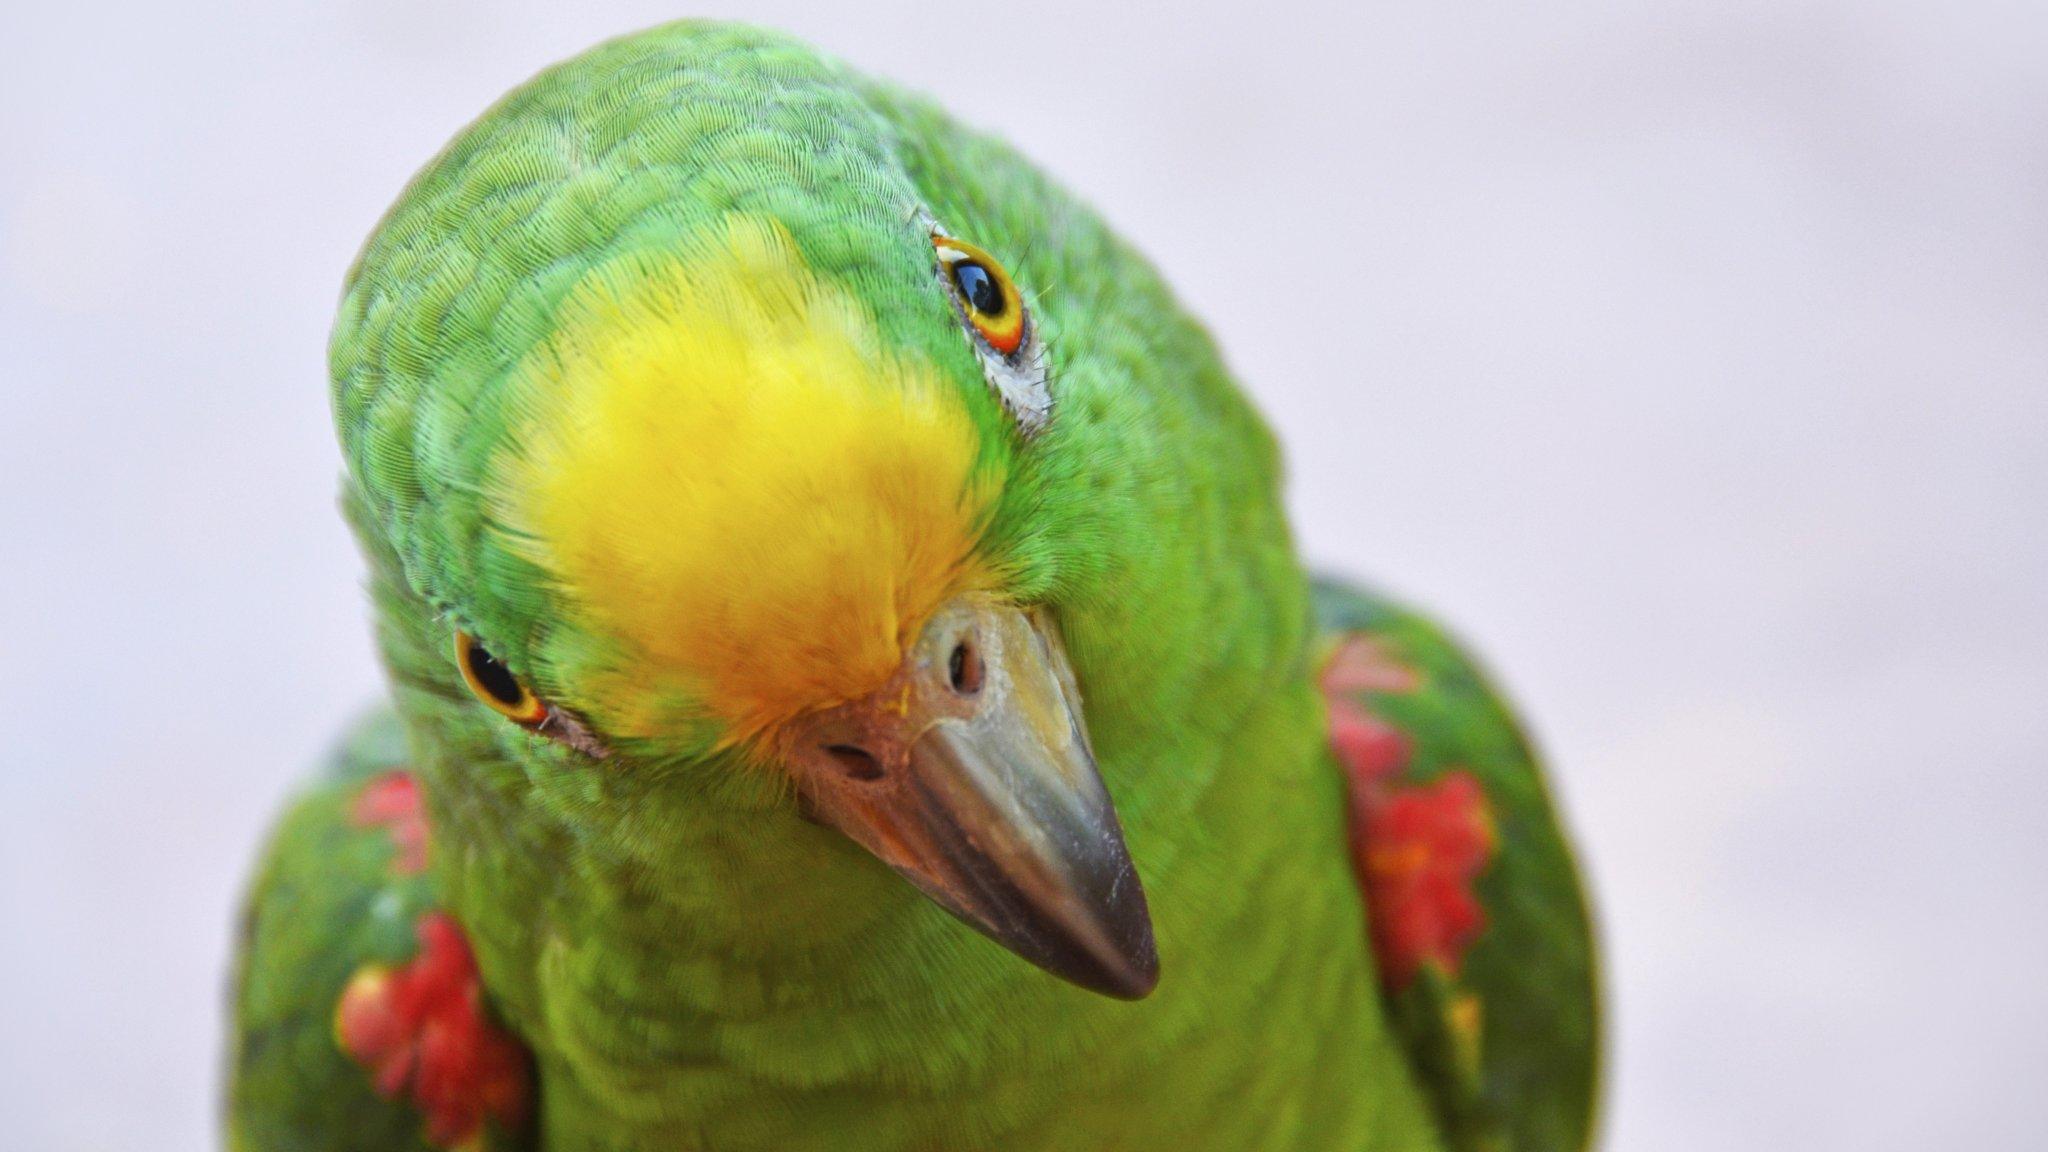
(423, 1025)
(1421, 848)
(393, 802)
(1418, 848)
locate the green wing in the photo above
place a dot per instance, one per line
(1479, 919)
(344, 891)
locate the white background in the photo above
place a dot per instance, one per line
(1691, 357)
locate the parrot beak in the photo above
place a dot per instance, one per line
(970, 774)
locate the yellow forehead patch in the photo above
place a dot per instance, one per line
(723, 467)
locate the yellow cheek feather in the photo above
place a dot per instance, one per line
(723, 467)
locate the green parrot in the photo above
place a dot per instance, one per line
(852, 686)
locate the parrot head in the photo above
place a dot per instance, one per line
(758, 520)
(743, 459)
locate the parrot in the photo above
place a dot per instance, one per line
(852, 684)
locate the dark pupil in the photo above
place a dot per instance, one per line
(979, 288)
(496, 680)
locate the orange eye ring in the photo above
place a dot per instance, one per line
(495, 685)
(984, 293)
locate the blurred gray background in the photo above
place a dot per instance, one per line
(1692, 358)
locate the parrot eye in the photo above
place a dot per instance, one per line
(495, 685)
(999, 327)
(984, 293)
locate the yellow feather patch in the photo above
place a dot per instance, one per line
(724, 467)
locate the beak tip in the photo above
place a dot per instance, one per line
(1127, 968)
(1135, 982)
(1127, 978)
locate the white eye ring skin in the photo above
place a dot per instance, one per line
(1019, 375)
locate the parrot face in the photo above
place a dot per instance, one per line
(746, 505)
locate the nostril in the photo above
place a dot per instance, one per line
(963, 668)
(857, 763)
